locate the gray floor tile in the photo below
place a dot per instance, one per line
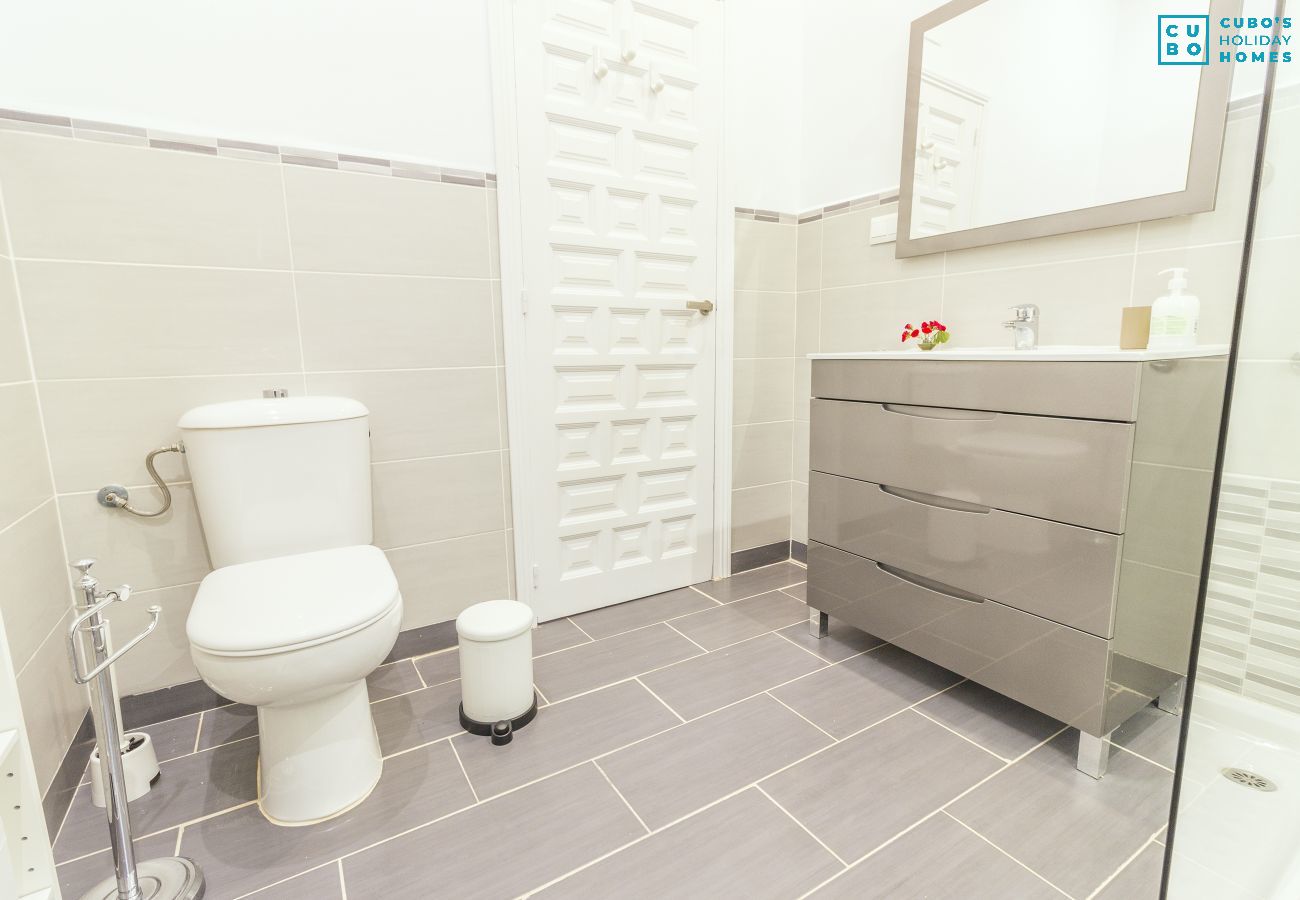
(226, 725)
(1140, 879)
(677, 772)
(863, 791)
(743, 847)
(558, 634)
(502, 848)
(755, 581)
(187, 788)
(705, 683)
(612, 620)
(79, 876)
(739, 621)
(417, 718)
(997, 723)
(841, 642)
(599, 663)
(864, 689)
(798, 591)
(318, 884)
(241, 851)
(938, 858)
(1037, 809)
(563, 735)
(1152, 733)
(439, 668)
(393, 679)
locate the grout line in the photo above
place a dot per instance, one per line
(580, 628)
(814, 655)
(679, 716)
(1124, 865)
(418, 673)
(621, 797)
(945, 812)
(962, 736)
(180, 833)
(159, 831)
(545, 702)
(806, 719)
(288, 878)
(343, 882)
(702, 594)
(687, 636)
(463, 770)
(1140, 756)
(293, 279)
(790, 815)
(198, 732)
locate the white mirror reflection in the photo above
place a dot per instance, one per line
(1030, 108)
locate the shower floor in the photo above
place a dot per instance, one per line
(697, 743)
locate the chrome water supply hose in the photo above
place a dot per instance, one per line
(115, 496)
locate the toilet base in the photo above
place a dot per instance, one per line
(319, 758)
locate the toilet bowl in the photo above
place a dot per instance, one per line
(295, 637)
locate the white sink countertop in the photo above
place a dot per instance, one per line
(1042, 354)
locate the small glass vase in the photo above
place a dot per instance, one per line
(921, 345)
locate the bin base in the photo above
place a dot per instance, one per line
(500, 732)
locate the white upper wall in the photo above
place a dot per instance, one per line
(398, 79)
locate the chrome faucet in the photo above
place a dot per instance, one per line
(1024, 327)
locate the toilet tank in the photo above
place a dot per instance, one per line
(280, 476)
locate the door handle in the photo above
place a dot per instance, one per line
(704, 306)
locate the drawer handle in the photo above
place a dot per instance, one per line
(938, 412)
(927, 584)
(935, 500)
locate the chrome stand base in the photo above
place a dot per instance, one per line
(1171, 701)
(165, 878)
(819, 624)
(1094, 754)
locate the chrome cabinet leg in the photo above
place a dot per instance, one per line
(1094, 754)
(1171, 701)
(819, 624)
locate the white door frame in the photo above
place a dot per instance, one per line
(510, 225)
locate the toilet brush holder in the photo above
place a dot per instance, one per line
(139, 767)
(165, 878)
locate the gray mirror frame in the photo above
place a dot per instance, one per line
(1202, 168)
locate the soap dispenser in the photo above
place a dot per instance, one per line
(1175, 315)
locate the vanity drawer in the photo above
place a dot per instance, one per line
(1058, 670)
(1079, 390)
(1068, 470)
(1061, 572)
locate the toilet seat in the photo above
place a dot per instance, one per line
(289, 602)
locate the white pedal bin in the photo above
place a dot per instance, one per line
(496, 668)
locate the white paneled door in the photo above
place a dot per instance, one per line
(618, 120)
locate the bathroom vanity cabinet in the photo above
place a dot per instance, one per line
(1035, 522)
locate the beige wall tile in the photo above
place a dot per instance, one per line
(799, 512)
(1115, 241)
(870, 317)
(1279, 213)
(1227, 220)
(164, 659)
(439, 580)
(89, 320)
(799, 469)
(1265, 421)
(493, 233)
(761, 454)
(36, 592)
(1213, 276)
(808, 256)
(13, 343)
(765, 256)
(763, 390)
(421, 413)
(764, 324)
(807, 324)
(350, 222)
(144, 553)
(100, 431)
(392, 322)
(24, 470)
(424, 500)
(802, 389)
(53, 704)
(1080, 302)
(99, 201)
(1270, 328)
(849, 258)
(511, 585)
(760, 516)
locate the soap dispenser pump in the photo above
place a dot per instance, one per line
(1175, 315)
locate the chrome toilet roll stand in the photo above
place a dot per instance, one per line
(165, 878)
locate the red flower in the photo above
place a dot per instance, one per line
(915, 333)
(925, 328)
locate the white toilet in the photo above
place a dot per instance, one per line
(301, 607)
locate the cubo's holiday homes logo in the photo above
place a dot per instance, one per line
(1184, 40)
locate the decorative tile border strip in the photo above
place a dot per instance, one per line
(765, 215)
(83, 129)
(812, 215)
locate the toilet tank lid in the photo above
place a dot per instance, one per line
(272, 411)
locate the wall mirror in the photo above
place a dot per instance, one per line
(1026, 118)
